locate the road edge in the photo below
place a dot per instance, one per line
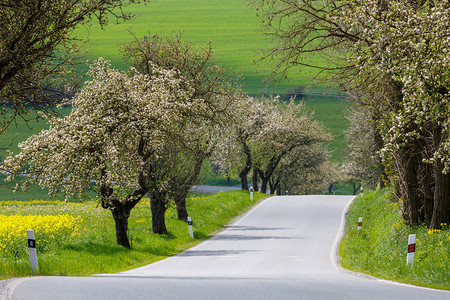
(8, 286)
(232, 222)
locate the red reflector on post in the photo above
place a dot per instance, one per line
(411, 248)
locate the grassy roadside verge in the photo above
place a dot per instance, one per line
(91, 249)
(379, 248)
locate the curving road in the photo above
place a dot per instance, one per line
(284, 248)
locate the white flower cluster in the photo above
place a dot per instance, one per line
(409, 44)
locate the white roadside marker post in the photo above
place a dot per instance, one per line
(362, 192)
(411, 249)
(32, 250)
(191, 232)
(251, 193)
(359, 223)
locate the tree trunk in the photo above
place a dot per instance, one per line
(264, 182)
(355, 188)
(378, 146)
(181, 208)
(255, 180)
(158, 208)
(267, 173)
(271, 186)
(441, 209)
(244, 182)
(248, 164)
(121, 215)
(427, 183)
(409, 162)
(120, 211)
(182, 189)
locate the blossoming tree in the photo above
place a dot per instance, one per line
(209, 82)
(116, 130)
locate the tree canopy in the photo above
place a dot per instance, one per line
(38, 52)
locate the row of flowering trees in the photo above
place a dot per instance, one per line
(393, 54)
(147, 131)
(280, 143)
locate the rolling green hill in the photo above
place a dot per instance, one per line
(231, 26)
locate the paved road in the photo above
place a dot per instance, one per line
(282, 249)
(213, 189)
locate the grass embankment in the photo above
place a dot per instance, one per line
(88, 245)
(380, 247)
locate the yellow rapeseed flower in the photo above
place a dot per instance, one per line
(48, 229)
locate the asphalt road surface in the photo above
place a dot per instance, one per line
(285, 248)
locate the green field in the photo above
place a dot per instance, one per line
(231, 26)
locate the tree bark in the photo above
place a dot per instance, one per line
(264, 182)
(120, 211)
(255, 179)
(266, 174)
(182, 213)
(248, 165)
(409, 162)
(427, 183)
(183, 189)
(275, 187)
(355, 188)
(158, 209)
(441, 209)
(244, 181)
(378, 146)
(121, 216)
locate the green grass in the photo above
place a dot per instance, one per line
(380, 247)
(22, 128)
(231, 26)
(94, 251)
(329, 109)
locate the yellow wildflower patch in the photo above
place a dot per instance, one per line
(431, 231)
(49, 230)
